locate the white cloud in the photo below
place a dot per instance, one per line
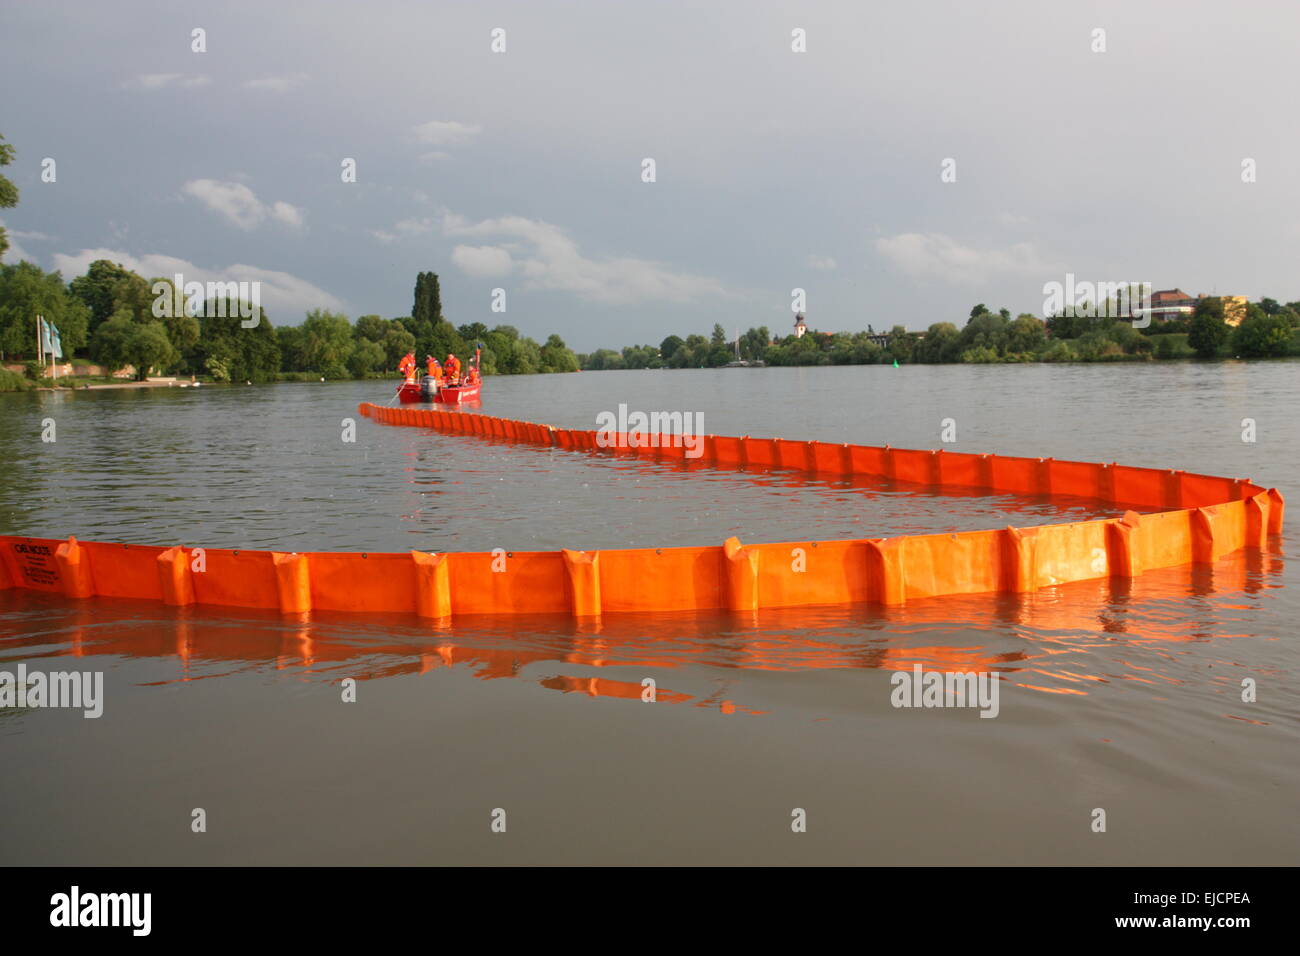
(404, 230)
(822, 263)
(286, 298)
(549, 259)
(287, 214)
(937, 256)
(239, 205)
(277, 84)
(158, 81)
(23, 234)
(445, 132)
(482, 262)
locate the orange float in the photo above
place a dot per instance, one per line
(1197, 519)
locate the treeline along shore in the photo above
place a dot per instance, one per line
(1268, 330)
(110, 317)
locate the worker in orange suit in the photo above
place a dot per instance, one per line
(434, 369)
(407, 366)
(452, 369)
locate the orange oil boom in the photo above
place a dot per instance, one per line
(1198, 519)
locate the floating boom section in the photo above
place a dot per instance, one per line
(1197, 519)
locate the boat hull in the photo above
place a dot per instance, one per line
(425, 390)
(459, 394)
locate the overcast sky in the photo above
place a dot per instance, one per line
(775, 170)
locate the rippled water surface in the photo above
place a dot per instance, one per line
(1120, 695)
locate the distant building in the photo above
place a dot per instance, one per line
(1171, 304)
(1176, 304)
(799, 327)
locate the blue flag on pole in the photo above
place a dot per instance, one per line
(50, 339)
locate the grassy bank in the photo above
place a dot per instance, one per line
(13, 382)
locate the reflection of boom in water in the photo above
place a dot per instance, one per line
(1062, 641)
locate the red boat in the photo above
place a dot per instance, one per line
(467, 390)
(409, 392)
(459, 394)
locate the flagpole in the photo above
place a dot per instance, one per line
(40, 348)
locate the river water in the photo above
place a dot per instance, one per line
(1121, 697)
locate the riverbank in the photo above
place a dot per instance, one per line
(147, 383)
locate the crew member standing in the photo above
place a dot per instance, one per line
(407, 366)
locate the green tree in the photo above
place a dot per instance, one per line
(8, 191)
(373, 327)
(327, 343)
(99, 289)
(526, 358)
(499, 356)
(939, 345)
(397, 342)
(980, 355)
(1026, 334)
(556, 356)
(900, 344)
(182, 328)
(246, 354)
(434, 335)
(148, 347)
(640, 356)
(1064, 326)
(123, 341)
(1060, 351)
(754, 343)
(108, 347)
(428, 298)
(1262, 334)
(27, 291)
(473, 332)
(669, 347)
(1208, 331)
(985, 330)
(366, 357)
(291, 341)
